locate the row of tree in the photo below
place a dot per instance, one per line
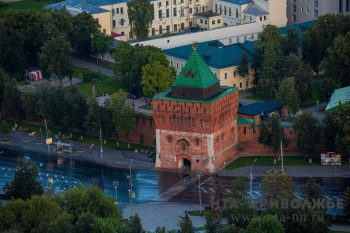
(284, 65)
(313, 138)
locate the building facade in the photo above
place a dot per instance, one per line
(196, 120)
(299, 11)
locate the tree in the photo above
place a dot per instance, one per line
(312, 190)
(277, 185)
(84, 26)
(140, 14)
(270, 71)
(243, 68)
(133, 224)
(337, 61)
(24, 184)
(56, 59)
(294, 66)
(156, 78)
(100, 44)
(342, 138)
(212, 221)
(288, 95)
(271, 133)
(160, 230)
(306, 128)
(129, 61)
(239, 187)
(292, 42)
(75, 107)
(11, 104)
(185, 225)
(267, 223)
(123, 117)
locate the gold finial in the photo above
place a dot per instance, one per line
(194, 46)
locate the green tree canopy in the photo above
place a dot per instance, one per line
(133, 224)
(267, 223)
(312, 190)
(156, 78)
(100, 43)
(288, 95)
(277, 185)
(55, 57)
(140, 14)
(292, 42)
(185, 225)
(307, 130)
(24, 184)
(271, 133)
(123, 117)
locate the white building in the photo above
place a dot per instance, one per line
(299, 11)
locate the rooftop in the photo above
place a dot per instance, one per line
(238, 2)
(339, 96)
(301, 27)
(207, 14)
(214, 53)
(253, 9)
(258, 108)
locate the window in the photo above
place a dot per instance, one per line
(219, 20)
(179, 120)
(121, 10)
(315, 3)
(160, 30)
(236, 13)
(216, 8)
(153, 31)
(205, 22)
(213, 22)
(122, 33)
(260, 18)
(235, 73)
(175, 12)
(113, 22)
(229, 11)
(175, 27)
(225, 10)
(174, 2)
(170, 139)
(201, 20)
(122, 22)
(182, 1)
(117, 10)
(347, 6)
(244, 130)
(113, 12)
(202, 123)
(340, 6)
(294, 18)
(225, 75)
(168, 28)
(307, 10)
(167, 3)
(104, 31)
(160, 15)
(167, 13)
(294, 8)
(190, 10)
(315, 13)
(197, 141)
(265, 17)
(183, 146)
(220, 10)
(240, 85)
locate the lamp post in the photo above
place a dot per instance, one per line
(47, 135)
(115, 184)
(251, 182)
(131, 193)
(199, 189)
(101, 150)
(224, 166)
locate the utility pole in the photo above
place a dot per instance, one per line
(199, 189)
(115, 184)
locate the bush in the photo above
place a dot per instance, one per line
(4, 127)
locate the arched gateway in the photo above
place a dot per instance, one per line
(195, 120)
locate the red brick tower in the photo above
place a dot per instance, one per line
(196, 120)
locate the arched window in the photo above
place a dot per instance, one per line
(197, 141)
(183, 146)
(170, 139)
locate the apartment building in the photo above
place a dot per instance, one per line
(222, 60)
(299, 11)
(246, 11)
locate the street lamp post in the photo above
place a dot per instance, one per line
(115, 184)
(251, 182)
(199, 189)
(101, 149)
(47, 135)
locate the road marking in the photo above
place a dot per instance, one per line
(328, 198)
(212, 190)
(298, 196)
(203, 190)
(258, 193)
(228, 191)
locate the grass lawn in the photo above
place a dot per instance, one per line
(268, 160)
(87, 138)
(315, 88)
(107, 85)
(26, 4)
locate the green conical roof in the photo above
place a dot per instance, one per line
(195, 74)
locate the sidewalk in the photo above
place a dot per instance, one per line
(294, 171)
(92, 66)
(111, 157)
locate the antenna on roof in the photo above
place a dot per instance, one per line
(194, 46)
